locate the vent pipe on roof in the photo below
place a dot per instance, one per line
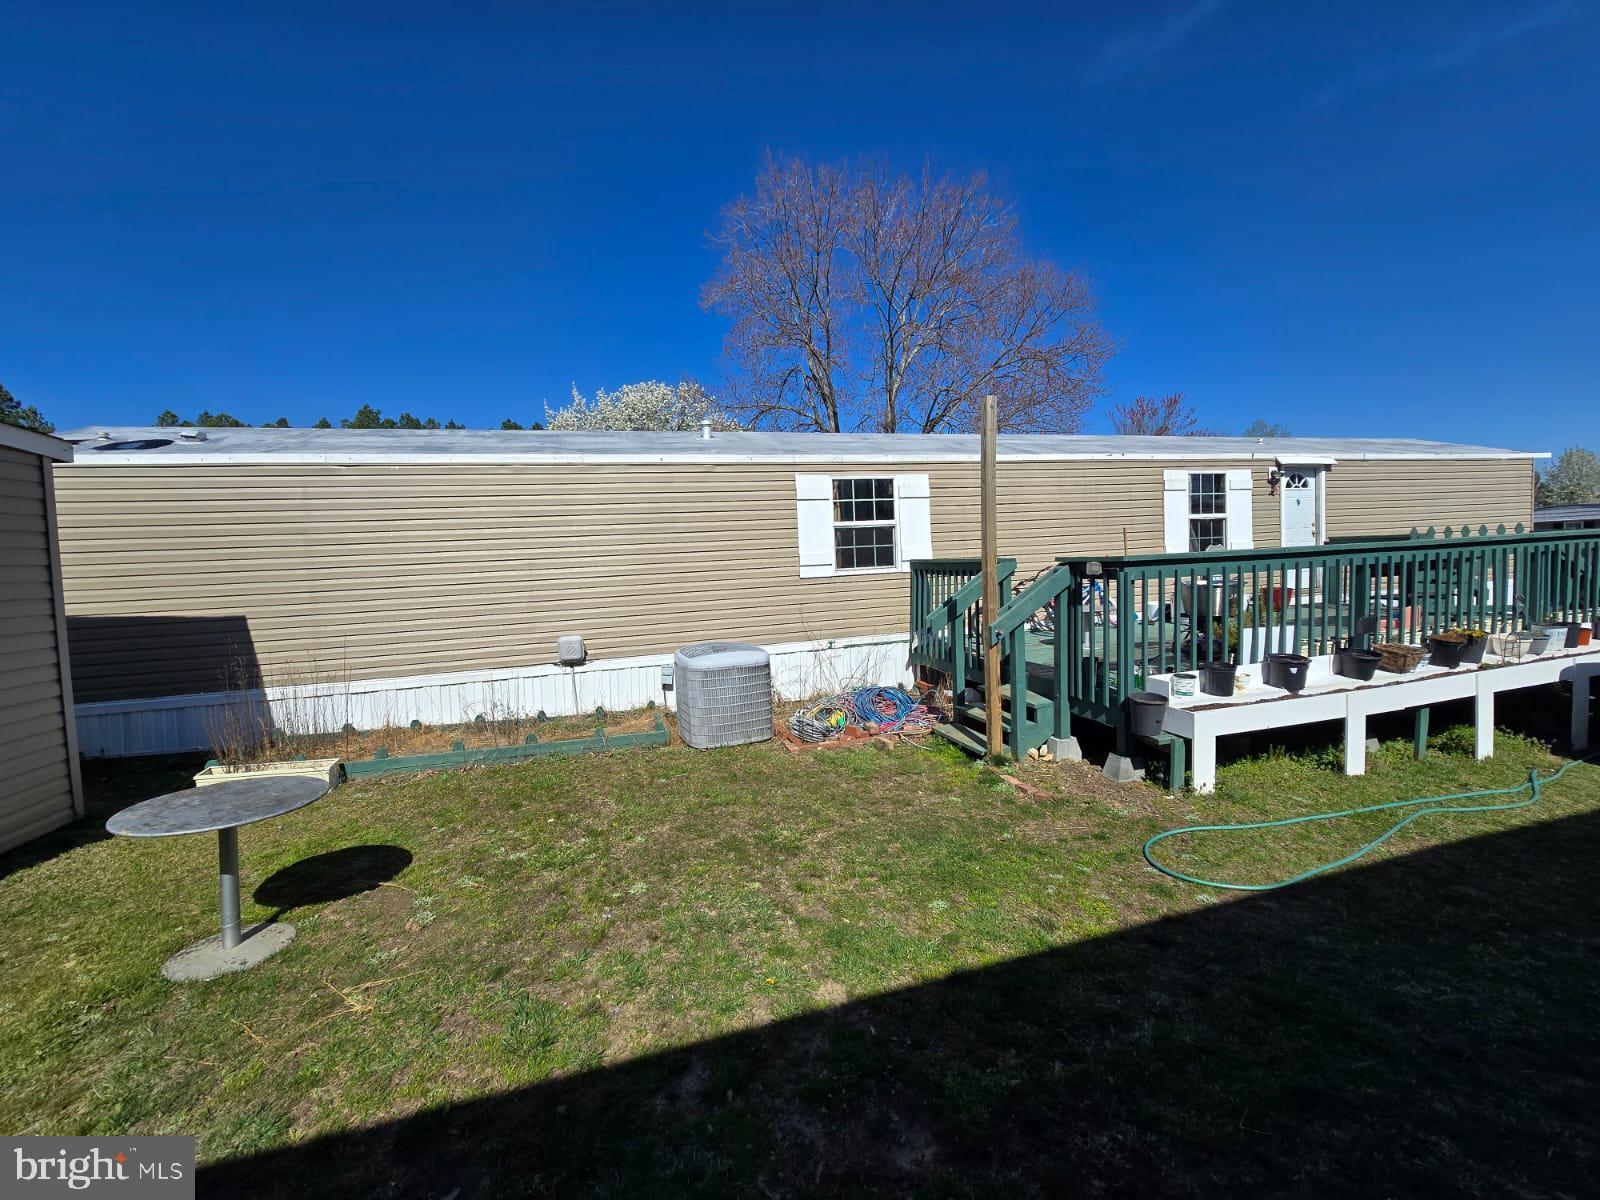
(705, 429)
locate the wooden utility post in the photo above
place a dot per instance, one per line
(990, 549)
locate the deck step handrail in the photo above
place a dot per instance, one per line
(1014, 613)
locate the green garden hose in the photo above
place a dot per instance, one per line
(1440, 804)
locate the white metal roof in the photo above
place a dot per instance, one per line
(352, 446)
(14, 437)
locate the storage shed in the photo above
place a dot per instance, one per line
(39, 786)
(383, 575)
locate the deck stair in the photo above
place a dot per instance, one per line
(970, 726)
(946, 636)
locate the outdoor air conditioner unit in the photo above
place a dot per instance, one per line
(724, 694)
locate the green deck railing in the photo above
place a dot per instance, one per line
(1151, 614)
(1121, 619)
(945, 620)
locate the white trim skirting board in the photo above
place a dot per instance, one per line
(177, 724)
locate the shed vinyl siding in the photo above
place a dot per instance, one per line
(36, 758)
(183, 578)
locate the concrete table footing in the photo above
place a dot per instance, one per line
(1119, 768)
(209, 958)
(1064, 749)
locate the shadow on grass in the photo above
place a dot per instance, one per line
(109, 786)
(1424, 1026)
(335, 875)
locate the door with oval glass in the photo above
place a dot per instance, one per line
(1301, 492)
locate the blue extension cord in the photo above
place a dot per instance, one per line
(1533, 786)
(866, 702)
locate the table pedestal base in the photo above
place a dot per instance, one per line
(208, 958)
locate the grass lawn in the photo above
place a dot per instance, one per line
(862, 971)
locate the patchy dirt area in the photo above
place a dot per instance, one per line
(422, 738)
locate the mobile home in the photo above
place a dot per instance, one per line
(427, 574)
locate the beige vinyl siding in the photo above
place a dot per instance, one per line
(1397, 496)
(36, 793)
(194, 578)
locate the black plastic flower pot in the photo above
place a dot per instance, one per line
(1146, 713)
(1475, 648)
(1216, 678)
(1446, 652)
(1356, 664)
(1287, 671)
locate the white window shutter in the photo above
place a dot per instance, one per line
(913, 513)
(1175, 510)
(814, 512)
(1241, 511)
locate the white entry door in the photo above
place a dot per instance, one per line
(1300, 488)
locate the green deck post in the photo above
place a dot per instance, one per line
(1019, 693)
(1125, 681)
(957, 635)
(1420, 736)
(1067, 634)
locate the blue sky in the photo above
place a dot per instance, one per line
(1357, 219)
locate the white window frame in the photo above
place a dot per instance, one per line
(816, 526)
(1217, 516)
(1238, 515)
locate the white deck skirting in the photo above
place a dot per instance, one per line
(1328, 697)
(177, 724)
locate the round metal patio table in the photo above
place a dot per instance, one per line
(221, 808)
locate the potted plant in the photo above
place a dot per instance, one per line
(1477, 642)
(1445, 649)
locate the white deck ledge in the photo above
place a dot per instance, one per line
(1328, 697)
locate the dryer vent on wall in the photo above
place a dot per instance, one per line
(724, 694)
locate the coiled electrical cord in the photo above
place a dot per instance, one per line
(886, 709)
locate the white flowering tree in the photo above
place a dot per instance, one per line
(651, 405)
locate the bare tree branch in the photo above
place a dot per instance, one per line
(1170, 416)
(867, 300)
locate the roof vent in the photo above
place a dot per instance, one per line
(724, 694)
(192, 435)
(137, 444)
(705, 429)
